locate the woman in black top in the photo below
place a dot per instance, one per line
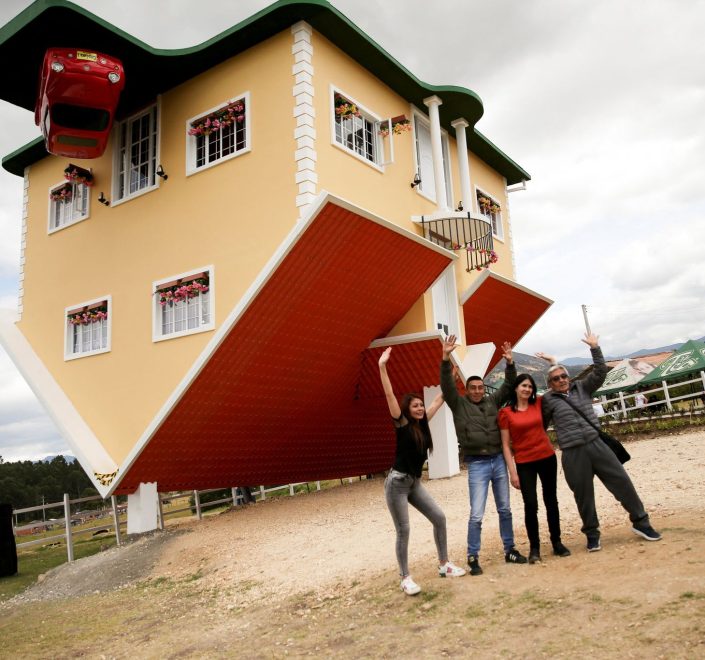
(403, 483)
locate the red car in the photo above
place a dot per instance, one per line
(78, 93)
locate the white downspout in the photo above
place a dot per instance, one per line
(432, 103)
(463, 162)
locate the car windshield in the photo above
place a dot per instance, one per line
(80, 117)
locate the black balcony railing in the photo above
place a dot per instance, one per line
(463, 233)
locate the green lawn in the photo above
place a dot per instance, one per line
(38, 559)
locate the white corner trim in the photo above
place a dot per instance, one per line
(411, 338)
(23, 241)
(303, 92)
(83, 442)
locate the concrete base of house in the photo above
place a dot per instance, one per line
(443, 460)
(143, 509)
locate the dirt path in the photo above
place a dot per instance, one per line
(316, 575)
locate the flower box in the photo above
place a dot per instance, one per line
(229, 114)
(63, 193)
(182, 291)
(88, 316)
(400, 124)
(76, 174)
(344, 108)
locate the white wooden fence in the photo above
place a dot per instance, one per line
(623, 404)
(70, 519)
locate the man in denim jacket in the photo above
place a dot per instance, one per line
(475, 420)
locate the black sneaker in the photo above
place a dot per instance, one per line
(514, 557)
(474, 564)
(593, 545)
(534, 556)
(646, 531)
(560, 550)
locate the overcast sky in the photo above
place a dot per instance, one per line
(603, 103)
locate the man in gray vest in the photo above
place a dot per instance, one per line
(583, 454)
(475, 420)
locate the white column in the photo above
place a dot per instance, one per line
(142, 509)
(443, 460)
(463, 162)
(433, 103)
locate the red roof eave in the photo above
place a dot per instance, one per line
(497, 309)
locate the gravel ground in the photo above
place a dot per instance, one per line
(289, 545)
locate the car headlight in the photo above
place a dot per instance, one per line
(114, 77)
(58, 67)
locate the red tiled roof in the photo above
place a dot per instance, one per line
(496, 309)
(278, 399)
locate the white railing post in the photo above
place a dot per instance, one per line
(702, 378)
(197, 501)
(318, 485)
(666, 395)
(116, 520)
(233, 492)
(622, 404)
(261, 492)
(67, 519)
(291, 490)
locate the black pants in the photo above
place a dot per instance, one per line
(546, 469)
(581, 465)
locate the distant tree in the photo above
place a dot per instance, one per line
(26, 483)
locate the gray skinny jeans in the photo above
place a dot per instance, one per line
(401, 490)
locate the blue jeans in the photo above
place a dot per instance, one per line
(483, 470)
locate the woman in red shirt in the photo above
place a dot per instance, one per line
(529, 454)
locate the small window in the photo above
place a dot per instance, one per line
(81, 117)
(355, 129)
(136, 154)
(219, 135)
(491, 209)
(88, 329)
(68, 204)
(183, 305)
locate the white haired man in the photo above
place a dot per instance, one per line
(583, 454)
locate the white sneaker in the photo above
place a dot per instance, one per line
(409, 587)
(450, 570)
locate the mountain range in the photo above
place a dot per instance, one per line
(643, 351)
(537, 368)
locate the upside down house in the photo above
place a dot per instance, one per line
(204, 304)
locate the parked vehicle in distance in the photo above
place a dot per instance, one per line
(79, 91)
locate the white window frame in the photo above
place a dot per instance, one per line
(367, 115)
(78, 209)
(120, 162)
(192, 140)
(157, 310)
(105, 327)
(429, 189)
(495, 219)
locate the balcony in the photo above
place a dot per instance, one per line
(461, 232)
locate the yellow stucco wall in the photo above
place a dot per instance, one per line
(121, 250)
(238, 211)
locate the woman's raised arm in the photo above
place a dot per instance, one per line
(392, 403)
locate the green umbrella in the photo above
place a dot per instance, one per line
(625, 374)
(688, 359)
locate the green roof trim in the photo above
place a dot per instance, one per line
(56, 23)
